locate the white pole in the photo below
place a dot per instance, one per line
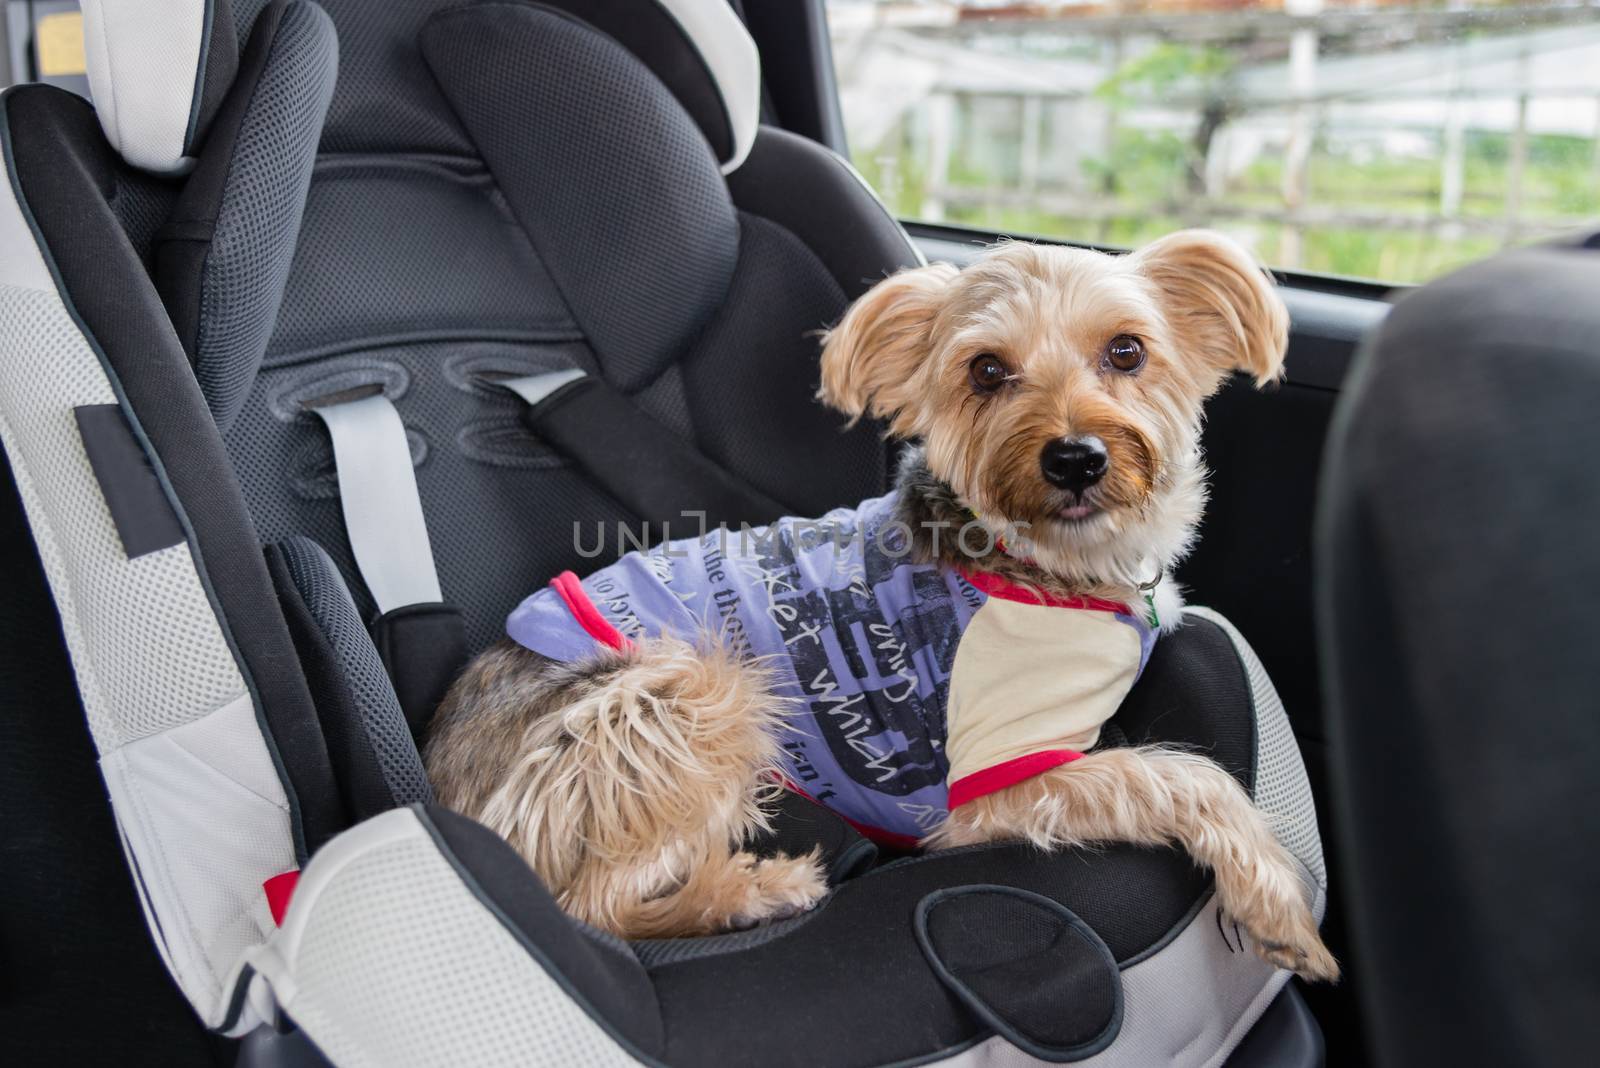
(941, 140)
(1453, 160)
(1303, 42)
(1032, 120)
(1518, 163)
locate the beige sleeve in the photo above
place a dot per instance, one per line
(1028, 678)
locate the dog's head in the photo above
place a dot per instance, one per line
(1059, 391)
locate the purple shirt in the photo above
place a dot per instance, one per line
(864, 639)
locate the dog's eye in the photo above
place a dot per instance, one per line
(1125, 353)
(987, 372)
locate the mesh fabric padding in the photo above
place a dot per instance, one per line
(395, 928)
(598, 968)
(141, 204)
(381, 719)
(805, 188)
(614, 183)
(403, 248)
(219, 64)
(419, 274)
(655, 35)
(72, 928)
(1281, 788)
(752, 373)
(165, 699)
(259, 217)
(667, 401)
(149, 652)
(245, 13)
(385, 100)
(500, 506)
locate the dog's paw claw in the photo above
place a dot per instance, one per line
(1306, 956)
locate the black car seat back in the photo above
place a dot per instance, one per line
(1457, 522)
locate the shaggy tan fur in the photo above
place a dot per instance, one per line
(630, 782)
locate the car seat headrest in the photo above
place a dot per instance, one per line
(700, 51)
(613, 183)
(160, 69)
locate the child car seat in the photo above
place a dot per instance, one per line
(305, 379)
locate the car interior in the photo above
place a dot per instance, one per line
(330, 328)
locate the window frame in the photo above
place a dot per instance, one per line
(925, 233)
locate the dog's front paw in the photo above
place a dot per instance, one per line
(780, 887)
(1288, 938)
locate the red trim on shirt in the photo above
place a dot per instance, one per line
(279, 890)
(576, 598)
(997, 586)
(1009, 773)
(876, 834)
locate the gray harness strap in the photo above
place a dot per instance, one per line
(535, 388)
(382, 510)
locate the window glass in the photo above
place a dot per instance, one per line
(1383, 140)
(42, 41)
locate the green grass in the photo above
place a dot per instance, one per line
(1147, 173)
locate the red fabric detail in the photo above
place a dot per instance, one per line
(1003, 588)
(597, 626)
(279, 889)
(903, 842)
(1008, 773)
(876, 834)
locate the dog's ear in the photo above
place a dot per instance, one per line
(1219, 300)
(870, 359)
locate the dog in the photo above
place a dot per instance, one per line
(938, 691)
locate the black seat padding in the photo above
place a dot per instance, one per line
(800, 825)
(1458, 586)
(1026, 966)
(369, 740)
(503, 190)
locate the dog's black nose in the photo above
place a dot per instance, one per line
(1074, 463)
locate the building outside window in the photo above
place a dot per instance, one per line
(1383, 140)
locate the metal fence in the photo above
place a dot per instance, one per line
(1392, 142)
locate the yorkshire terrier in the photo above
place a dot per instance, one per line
(935, 665)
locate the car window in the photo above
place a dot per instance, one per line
(1391, 141)
(42, 41)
